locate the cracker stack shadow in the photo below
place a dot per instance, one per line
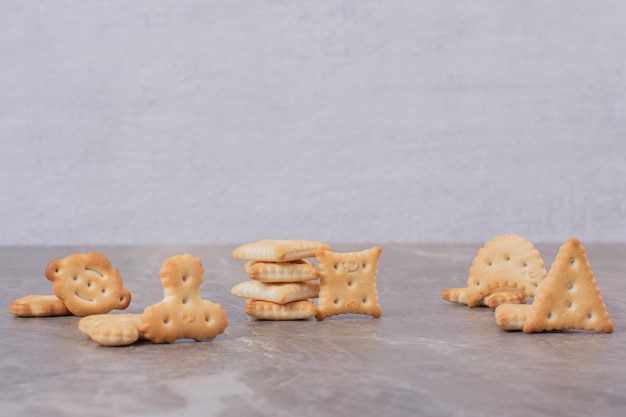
(282, 282)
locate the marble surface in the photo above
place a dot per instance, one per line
(423, 357)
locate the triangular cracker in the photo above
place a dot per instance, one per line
(569, 298)
(505, 261)
(273, 250)
(348, 283)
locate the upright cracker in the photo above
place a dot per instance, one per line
(39, 306)
(265, 310)
(569, 298)
(505, 261)
(280, 293)
(274, 250)
(182, 313)
(87, 284)
(112, 329)
(293, 271)
(348, 283)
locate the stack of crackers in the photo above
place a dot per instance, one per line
(282, 287)
(508, 270)
(281, 283)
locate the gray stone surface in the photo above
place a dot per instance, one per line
(423, 357)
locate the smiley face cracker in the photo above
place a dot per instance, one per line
(39, 306)
(348, 283)
(505, 261)
(112, 329)
(182, 313)
(274, 250)
(87, 284)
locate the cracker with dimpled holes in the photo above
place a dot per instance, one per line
(112, 329)
(505, 261)
(496, 297)
(182, 313)
(39, 306)
(569, 298)
(293, 271)
(280, 293)
(266, 310)
(274, 250)
(87, 284)
(348, 283)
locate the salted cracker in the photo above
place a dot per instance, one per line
(266, 310)
(274, 250)
(112, 329)
(292, 271)
(348, 283)
(569, 298)
(280, 293)
(182, 313)
(39, 306)
(505, 261)
(496, 297)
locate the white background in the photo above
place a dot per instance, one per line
(349, 121)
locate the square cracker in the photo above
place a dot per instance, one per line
(273, 250)
(280, 293)
(265, 310)
(348, 283)
(293, 271)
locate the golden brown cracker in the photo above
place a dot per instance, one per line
(265, 310)
(280, 293)
(348, 283)
(182, 313)
(505, 261)
(493, 299)
(512, 316)
(569, 298)
(39, 306)
(293, 271)
(112, 329)
(275, 250)
(88, 284)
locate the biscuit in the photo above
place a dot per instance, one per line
(348, 283)
(87, 284)
(505, 261)
(273, 250)
(569, 298)
(493, 299)
(265, 310)
(512, 316)
(39, 306)
(280, 293)
(182, 313)
(293, 271)
(112, 329)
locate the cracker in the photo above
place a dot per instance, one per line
(265, 310)
(348, 283)
(569, 298)
(505, 261)
(112, 329)
(280, 293)
(39, 306)
(273, 250)
(512, 316)
(493, 299)
(87, 284)
(182, 313)
(293, 271)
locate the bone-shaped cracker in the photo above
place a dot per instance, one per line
(112, 329)
(39, 306)
(182, 313)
